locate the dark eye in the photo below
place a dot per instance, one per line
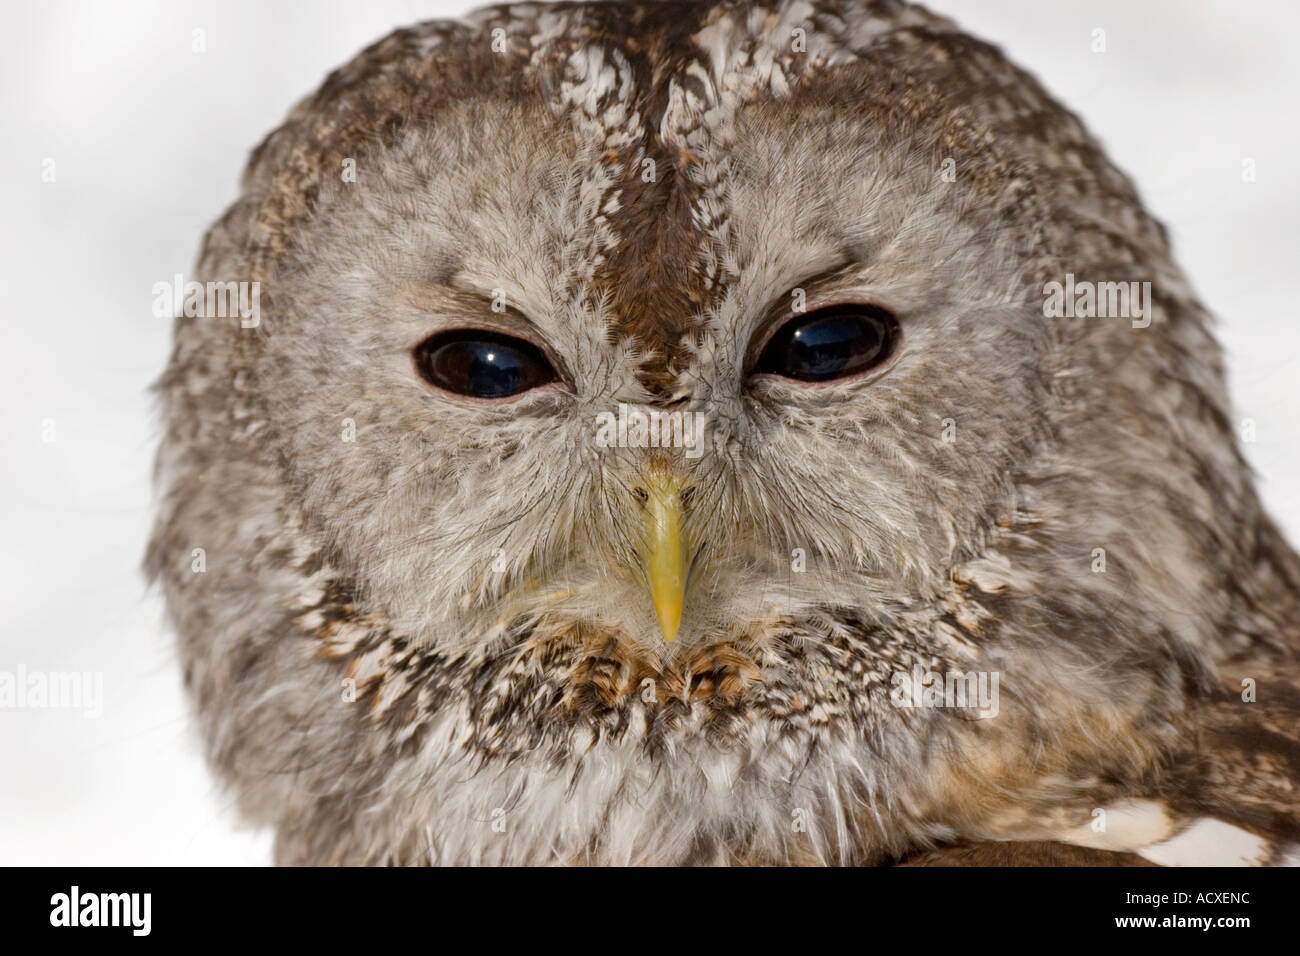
(834, 342)
(482, 364)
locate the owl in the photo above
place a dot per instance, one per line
(716, 433)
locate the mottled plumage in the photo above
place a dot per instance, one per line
(433, 644)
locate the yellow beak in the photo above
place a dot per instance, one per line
(665, 549)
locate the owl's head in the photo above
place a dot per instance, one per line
(644, 386)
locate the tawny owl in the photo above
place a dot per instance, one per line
(679, 432)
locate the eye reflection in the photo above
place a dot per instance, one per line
(482, 364)
(830, 343)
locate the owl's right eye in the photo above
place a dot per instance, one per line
(482, 364)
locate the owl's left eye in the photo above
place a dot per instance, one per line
(830, 343)
(482, 364)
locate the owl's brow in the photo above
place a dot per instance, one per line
(457, 296)
(838, 269)
(449, 290)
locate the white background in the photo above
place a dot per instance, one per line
(149, 138)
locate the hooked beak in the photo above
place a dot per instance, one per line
(664, 542)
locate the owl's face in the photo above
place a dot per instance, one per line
(813, 239)
(482, 331)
